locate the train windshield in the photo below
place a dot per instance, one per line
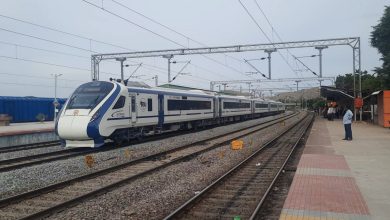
(89, 95)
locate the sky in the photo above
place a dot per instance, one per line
(39, 39)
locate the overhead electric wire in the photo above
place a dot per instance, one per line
(75, 47)
(273, 29)
(155, 33)
(39, 77)
(72, 55)
(268, 21)
(165, 26)
(37, 85)
(45, 50)
(51, 64)
(62, 44)
(305, 66)
(71, 67)
(257, 24)
(44, 39)
(63, 32)
(58, 52)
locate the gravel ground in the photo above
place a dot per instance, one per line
(25, 179)
(155, 196)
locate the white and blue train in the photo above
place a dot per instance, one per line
(102, 111)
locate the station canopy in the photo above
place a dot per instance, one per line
(334, 94)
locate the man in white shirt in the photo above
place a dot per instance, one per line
(347, 121)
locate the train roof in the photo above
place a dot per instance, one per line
(233, 97)
(169, 91)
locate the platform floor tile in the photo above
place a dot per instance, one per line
(292, 214)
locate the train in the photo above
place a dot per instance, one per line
(102, 111)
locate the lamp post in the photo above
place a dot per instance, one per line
(169, 57)
(55, 103)
(269, 51)
(121, 59)
(320, 48)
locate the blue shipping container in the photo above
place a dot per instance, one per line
(26, 109)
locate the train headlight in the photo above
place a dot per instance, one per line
(95, 116)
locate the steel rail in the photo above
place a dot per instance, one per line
(28, 146)
(256, 211)
(154, 157)
(20, 162)
(195, 199)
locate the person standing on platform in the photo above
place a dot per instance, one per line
(347, 121)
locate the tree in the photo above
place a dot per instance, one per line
(370, 83)
(380, 39)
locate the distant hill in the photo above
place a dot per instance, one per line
(311, 93)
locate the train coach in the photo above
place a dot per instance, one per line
(100, 111)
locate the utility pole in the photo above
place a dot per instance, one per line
(121, 59)
(169, 57)
(249, 88)
(320, 48)
(55, 103)
(269, 51)
(297, 81)
(155, 80)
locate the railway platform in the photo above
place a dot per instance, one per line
(26, 128)
(338, 179)
(26, 133)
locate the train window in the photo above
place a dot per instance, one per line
(150, 105)
(175, 105)
(132, 103)
(232, 105)
(259, 105)
(89, 95)
(120, 103)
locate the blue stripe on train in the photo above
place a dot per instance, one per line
(93, 126)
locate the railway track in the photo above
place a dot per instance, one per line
(54, 198)
(241, 191)
(28, 147)
(30, 160)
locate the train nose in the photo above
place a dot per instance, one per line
(73, 126)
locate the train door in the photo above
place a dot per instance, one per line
(133, 108)
(160, 110)
(220, 107)
(216, 107)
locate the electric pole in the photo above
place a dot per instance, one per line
(320, 48)
(55, 102)
(169, 57)
(121, 59)
(269, 51)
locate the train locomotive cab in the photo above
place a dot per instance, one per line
(79, 122)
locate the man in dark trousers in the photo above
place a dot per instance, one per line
(347, 121)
